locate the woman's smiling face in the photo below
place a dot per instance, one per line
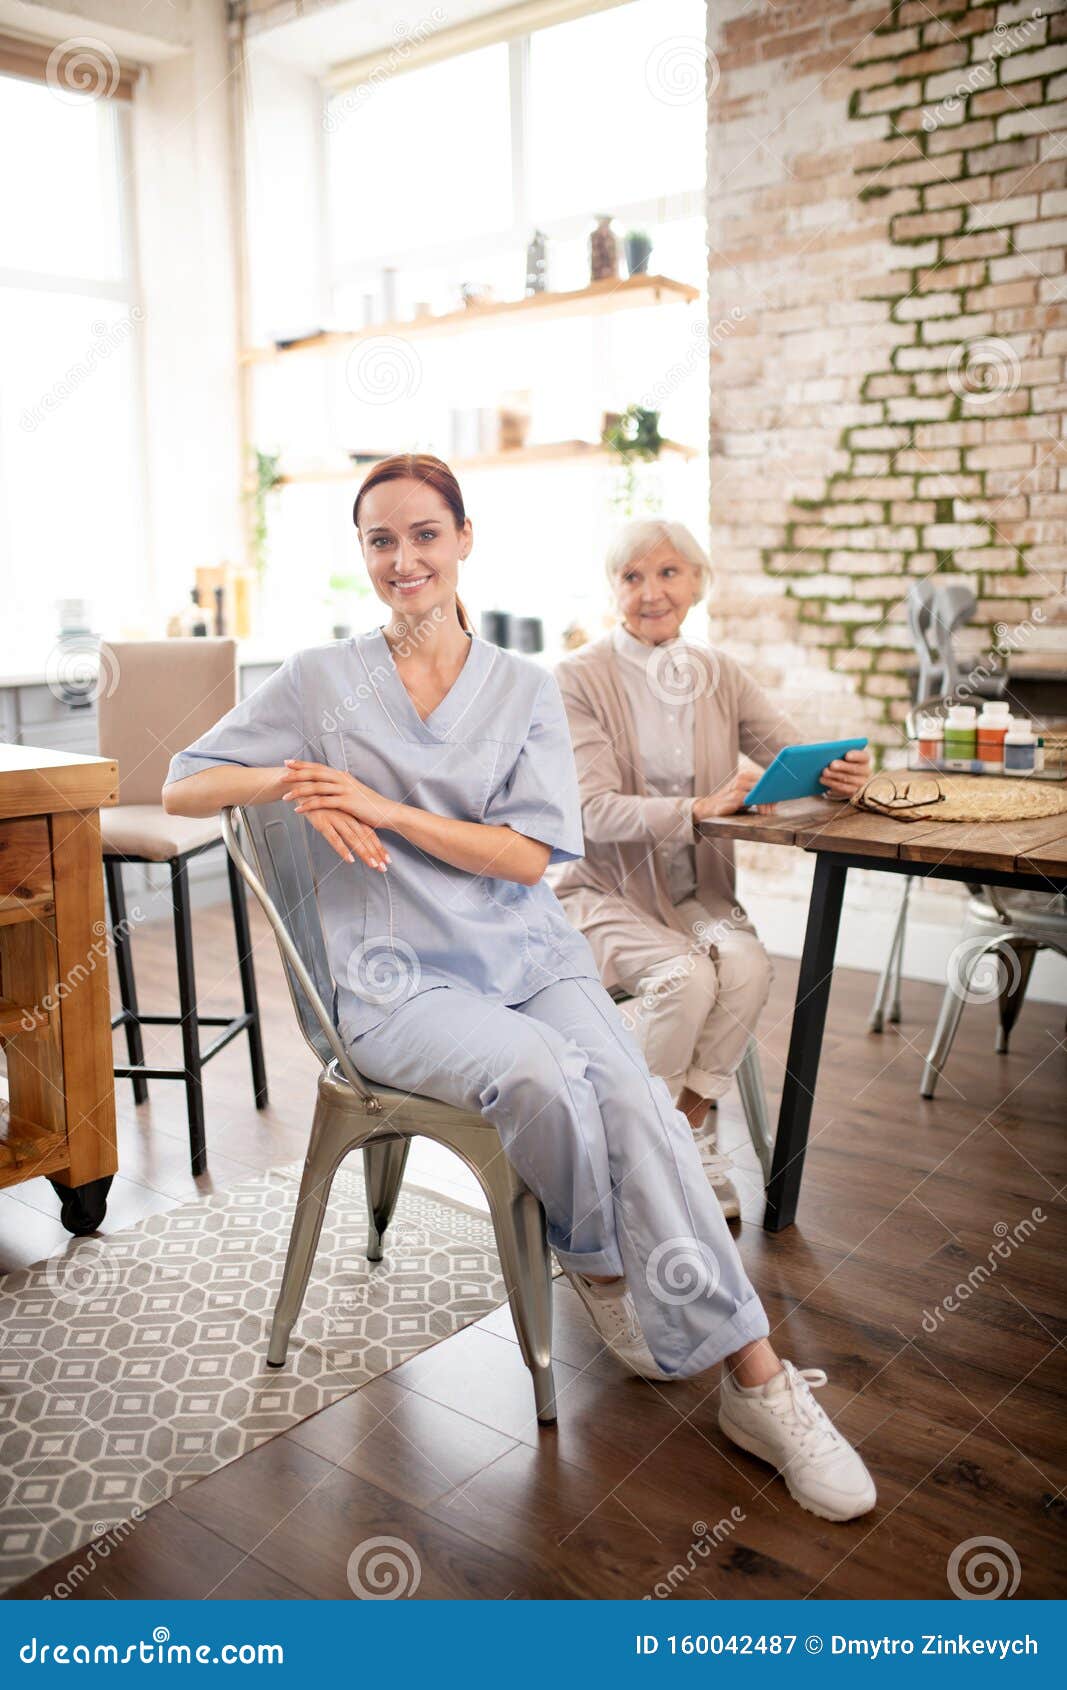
(411, 545)
(655, 592)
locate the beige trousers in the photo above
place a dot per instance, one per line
(694, 1004)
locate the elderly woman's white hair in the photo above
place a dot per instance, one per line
(637, 538)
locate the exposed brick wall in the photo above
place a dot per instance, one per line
(887, 204)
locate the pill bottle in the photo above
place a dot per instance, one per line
(931, 740)
(961, 736)
(993, 724)
(1020, 749)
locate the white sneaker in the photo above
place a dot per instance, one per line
(718, 1169)
(611, 1309)
(783, 1424)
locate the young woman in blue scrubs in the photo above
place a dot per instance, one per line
(436, 773)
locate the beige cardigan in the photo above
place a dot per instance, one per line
(624, 827)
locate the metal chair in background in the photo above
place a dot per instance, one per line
(936, 613)
(1005, 933)
(352, 1113)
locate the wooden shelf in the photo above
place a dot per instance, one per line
(26, 1148)
(550, 452)
(617, 293)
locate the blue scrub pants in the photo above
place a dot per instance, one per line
(595, 1135)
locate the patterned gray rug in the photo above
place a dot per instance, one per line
(135, 1363)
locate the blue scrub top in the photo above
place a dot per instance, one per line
(496, 749)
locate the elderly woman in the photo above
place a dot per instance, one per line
(658, 723)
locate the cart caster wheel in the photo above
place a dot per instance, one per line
(83, 1206)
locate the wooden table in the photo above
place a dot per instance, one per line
(55, 1019)
(1027, 854)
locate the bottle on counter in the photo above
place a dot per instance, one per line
(930, 744)
(993, 724)
(961, 735)
(1020, 748)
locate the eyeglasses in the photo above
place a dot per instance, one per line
(882, 795)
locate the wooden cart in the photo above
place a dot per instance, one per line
(58, 1115)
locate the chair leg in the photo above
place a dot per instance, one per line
(519, 1225)
(383, 1173)
(749, 1078)
(194, 1086)
(887, 995)
(948, 1021)
(243, 935)
(1011, 998)
(325, 1150)
(898, 967)
(120, 940)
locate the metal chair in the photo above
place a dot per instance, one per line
(749, 1077)
(1014, 927)
(352, 1113)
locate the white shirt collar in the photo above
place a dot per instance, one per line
(627, 646)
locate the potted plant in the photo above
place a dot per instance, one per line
(635, 438)
(267, 477)
(638, 246)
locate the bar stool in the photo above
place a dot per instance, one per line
(165, 694)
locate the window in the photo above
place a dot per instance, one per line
(436, 178)
(70, 505)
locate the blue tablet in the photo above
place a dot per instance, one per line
(795, 771)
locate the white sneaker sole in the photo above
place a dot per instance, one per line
(754, 1446)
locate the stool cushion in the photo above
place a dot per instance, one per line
(146, 830)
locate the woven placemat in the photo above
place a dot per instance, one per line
(964, 798)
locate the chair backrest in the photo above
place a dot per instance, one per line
(156, 697)
(920, 609)
(278, 841)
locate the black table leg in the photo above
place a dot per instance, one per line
(805, 1042)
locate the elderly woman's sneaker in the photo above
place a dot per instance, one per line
(718, 1169)
(782, 1423)
(611, 1309)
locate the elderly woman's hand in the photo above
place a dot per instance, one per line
(730, 798)
(844, 777)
